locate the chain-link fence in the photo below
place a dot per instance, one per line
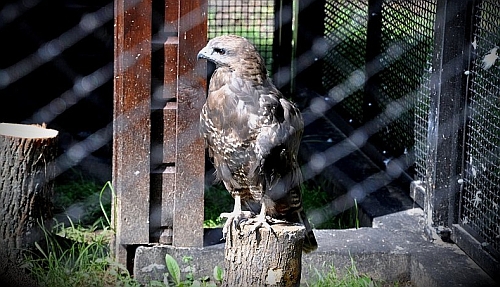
(61, 73)
(375, 73)
(402, 64)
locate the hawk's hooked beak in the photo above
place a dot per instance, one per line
(203, 54)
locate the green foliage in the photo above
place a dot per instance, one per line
(173, 269)
(76, 189)
(174, 274)
(315, 198)
(218, 274)
(217, 200)
(78, 256)
(350, 278)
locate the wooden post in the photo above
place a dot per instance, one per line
(131, 125)
(262, 258)
(158, 92)
(26, 190)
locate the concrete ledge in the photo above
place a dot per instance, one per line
(394, 249)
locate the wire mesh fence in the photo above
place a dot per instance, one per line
(407, 38)
(253, 20)
(405, 53)
(480, 196)
(345, 31)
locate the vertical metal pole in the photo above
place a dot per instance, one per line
(282, 45)
(447, 105)
(373, 67)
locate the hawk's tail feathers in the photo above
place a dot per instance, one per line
(310, 243)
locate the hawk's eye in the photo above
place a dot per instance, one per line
(220, 51)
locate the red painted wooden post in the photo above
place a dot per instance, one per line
(188, 215)
(158, 156)
(131, 124)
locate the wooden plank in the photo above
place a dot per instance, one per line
(131, 124)
(188, 215)
(172, 16)
(171, 72)
(162, 203)
(169, 132)
(168, 176)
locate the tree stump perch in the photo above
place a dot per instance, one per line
(27, 153)
(263, 258)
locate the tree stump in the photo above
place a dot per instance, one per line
(263, 258)
(27, 153)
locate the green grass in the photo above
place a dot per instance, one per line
(85, 262)
(75, 188)
(352, 278)
(314, 198)
(78, 256)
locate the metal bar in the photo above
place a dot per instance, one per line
(447, 105)
(282, 45)
(372, 96)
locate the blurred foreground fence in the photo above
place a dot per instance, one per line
(392, 90)
(402, 83)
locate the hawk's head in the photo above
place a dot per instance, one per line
(235, 53)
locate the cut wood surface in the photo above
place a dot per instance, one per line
(263, 258)
(26, 156)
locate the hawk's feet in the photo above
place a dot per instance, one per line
(236, 218)
(263, 221)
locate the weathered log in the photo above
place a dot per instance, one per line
(26, 156)
(263, 258)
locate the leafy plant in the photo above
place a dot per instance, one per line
(173, 269)
(218, 274)
(78, 255)
(174, 274)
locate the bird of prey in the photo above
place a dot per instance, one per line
(253, 135)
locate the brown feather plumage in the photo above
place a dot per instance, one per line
(253, 133)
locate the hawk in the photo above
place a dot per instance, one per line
(253, 135)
